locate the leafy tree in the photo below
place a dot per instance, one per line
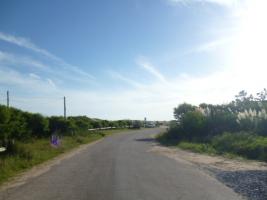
(183, 109)
(262, 96)
(59, 124)
(37, 124)
(241, 96)
(4, 118)
(17, 125)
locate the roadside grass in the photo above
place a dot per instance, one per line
(197, 147)
(241, 145)
(30, 153)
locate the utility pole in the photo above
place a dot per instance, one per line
(145, 122)
(65, 108)
(7, 98)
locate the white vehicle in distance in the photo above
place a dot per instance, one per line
(150, 124)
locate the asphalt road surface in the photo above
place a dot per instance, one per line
(121, 167)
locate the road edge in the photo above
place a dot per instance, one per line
(37, 170)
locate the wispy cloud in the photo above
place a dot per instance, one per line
(155, 99)
(118, 76)
(218, 2)
(145, 64)
(51, 83)
(30, 82)
(35, 76)
(58, 72)
(8, 58)
(211, 45)
(28, 44)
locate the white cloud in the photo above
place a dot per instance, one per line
(59, 72)
(212, 45)
(219, 2)
(51, 83)
(35, 76)
(8, 58)
(26, 43)
(118, 76)
(145, 64)
(154, 100)
(11, 78)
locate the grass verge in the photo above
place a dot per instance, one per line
(231, 145)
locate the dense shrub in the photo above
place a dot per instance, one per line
(18, 149)
(175, 133)
(262, 127)
(183, 109)
(16, 126)
(220, 120)
(58, 125)
(243, 143)
(37, 125)
(246, 113)
(193, 125)
(4, 118)
(239, 127)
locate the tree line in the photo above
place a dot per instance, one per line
(16, 124)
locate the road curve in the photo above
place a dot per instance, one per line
(121, 167)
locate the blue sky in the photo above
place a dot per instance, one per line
(129, 58)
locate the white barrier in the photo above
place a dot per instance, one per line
(106, 128)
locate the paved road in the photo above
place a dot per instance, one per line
(121, 167)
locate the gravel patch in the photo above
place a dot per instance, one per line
(251, 184)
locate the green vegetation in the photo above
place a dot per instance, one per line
(197, 147)
(238, 128)
(16, 125)
(27, 137)
(27, 154)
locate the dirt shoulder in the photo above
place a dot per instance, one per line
(247, 178)
(217, 162)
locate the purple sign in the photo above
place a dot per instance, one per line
(55, 141)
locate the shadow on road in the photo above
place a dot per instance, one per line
(145, 140)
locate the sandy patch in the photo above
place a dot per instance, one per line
(218, 162)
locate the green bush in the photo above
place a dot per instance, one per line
(193, 125)
(262, 127)
(239, 127)
(37, 125)
(220, 120)
(18, 149)
(197, 147)
(243, 143)
(182, 109)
